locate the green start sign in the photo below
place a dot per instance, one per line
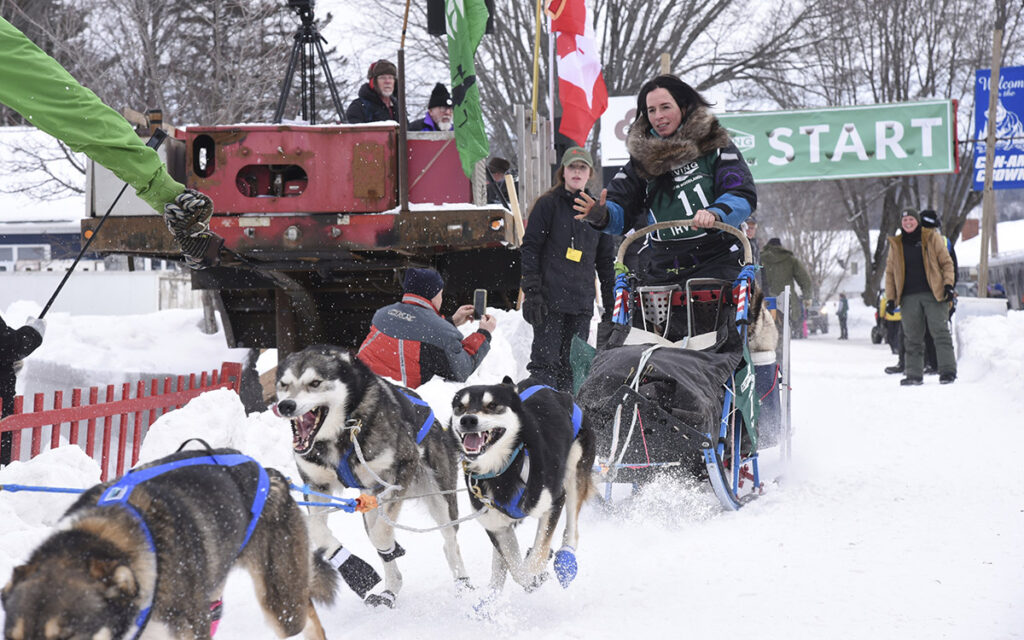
(846, 142)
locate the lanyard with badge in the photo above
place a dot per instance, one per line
(572, 254)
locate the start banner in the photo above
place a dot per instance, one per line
(1008, 166)
(822, 144)
(903, 139)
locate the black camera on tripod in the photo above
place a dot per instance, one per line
(307, 52)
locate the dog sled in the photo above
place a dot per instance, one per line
(676, 391)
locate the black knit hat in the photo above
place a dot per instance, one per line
(380, 68)
(774, 242)
(426, 283)
(929, 218)
(439, 97)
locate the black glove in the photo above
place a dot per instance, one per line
(535, 310)
(890, 307)
(189, 213)
(188, 218)
(597, 217)
(949, 293)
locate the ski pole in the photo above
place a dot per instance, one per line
(154, 142)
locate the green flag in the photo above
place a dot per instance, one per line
(467, 20)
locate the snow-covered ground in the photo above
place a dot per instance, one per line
(887, 523)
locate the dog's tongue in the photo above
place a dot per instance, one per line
(474, 441)
(304, 424)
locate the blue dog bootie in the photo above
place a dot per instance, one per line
(565, 565)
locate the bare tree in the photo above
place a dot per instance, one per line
(810, 224)
(883, 51)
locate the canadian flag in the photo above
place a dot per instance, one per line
(580, 83)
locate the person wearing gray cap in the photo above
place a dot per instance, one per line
(560, 256)
(919, 279)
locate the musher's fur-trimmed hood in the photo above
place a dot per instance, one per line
(699, 133)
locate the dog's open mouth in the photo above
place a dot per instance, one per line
(475, 443)
(305, 428)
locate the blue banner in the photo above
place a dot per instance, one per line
(1008, 167)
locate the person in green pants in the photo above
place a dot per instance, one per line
(919, 279)
(46, 95)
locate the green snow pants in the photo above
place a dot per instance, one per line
(922, 310)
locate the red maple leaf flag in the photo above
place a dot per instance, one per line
(581, 86)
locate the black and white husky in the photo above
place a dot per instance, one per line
(351, 428)
(527, 451)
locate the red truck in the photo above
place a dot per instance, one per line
(314, 232)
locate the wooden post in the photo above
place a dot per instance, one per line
(988, 198)
(666, 64)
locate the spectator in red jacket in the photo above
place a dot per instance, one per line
(411, 342)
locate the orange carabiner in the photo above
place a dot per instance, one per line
(366, 502)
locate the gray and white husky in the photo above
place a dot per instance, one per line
(334, 403)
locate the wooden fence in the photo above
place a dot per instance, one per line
(114, 426)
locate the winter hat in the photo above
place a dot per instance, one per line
(380, 68)
(929, 218)
(913, 213)
(751, 219)
(439, 97)
(426, 283)
(577, 154)
(498, 165)
(774, 242)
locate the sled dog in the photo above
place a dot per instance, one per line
(528, 451)
(143, 556)
(352, 428)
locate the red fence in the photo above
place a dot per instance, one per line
(116, 425)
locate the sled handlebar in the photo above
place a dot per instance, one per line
(721, 226)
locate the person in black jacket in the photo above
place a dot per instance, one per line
(559, 257)
(377, 100)
(15, 345)
(439, 112)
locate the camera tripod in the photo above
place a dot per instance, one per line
(306, 50)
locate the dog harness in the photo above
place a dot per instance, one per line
(118, 494)
(344, 470)
(513, 508)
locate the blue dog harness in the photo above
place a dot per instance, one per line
(513, 508)
(348, 477)
(118, 494)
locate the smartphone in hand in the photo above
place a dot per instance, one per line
(479, 303)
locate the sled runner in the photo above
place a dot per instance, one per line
(676, 393)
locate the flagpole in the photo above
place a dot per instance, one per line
(403, 122)
(536, 67)
(551, 82)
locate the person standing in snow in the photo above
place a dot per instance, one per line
(46, 95)
(682, 166)
(559, 258)
(15, 345)
(439, 112)
(842, 313)
(782, 269)
(377, 100)
(919, 279)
